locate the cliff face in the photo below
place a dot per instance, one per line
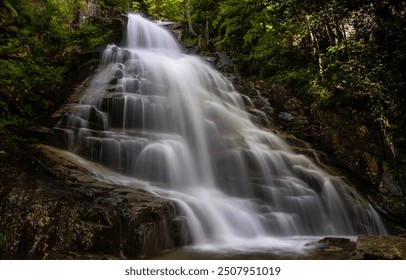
(349, 139)
(52, 208)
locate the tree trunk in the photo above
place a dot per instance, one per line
(315, 45)
(207, 32)
(191, 30)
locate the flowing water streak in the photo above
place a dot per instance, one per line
(158, 115)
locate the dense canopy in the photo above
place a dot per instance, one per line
(329, 53)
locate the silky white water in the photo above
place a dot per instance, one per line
(157, 115)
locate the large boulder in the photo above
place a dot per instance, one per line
(380, 248)
(51, 207)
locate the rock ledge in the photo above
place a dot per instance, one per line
(51, 207)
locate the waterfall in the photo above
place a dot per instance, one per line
(160, 116)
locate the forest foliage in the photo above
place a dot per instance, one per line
(330, 53)
(39, 41)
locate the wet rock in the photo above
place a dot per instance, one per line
(349, 128)
(285, 111)
(258, 117)
(349, 139)
(380, 248)
(179, 29)
(285, 116)
(224, 63)
(57, 210)
(180, 232)
(362, 163)
(334, 241)
(113, 81)
(389, 185)
(393, 207)
(332, 248)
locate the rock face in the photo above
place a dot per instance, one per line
(55, 209)
(380, 248)
(349, 139)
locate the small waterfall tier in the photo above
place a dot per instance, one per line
(169, 119)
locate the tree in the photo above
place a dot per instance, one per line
(161, 9)
(331, 53)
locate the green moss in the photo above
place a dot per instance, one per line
(93, 36)
(190, 41)
(299, 80)
(40, 60)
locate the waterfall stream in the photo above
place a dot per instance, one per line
(157, 115)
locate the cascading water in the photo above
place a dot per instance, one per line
(169, 119)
